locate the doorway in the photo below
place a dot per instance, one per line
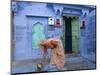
(67, 35)
(71, 34)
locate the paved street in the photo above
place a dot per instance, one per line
(72, 63)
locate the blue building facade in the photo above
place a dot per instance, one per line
(31, 24)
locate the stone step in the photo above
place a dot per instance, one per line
(71, 63)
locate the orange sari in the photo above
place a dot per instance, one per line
(57, 52)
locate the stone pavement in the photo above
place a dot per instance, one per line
(72, 63)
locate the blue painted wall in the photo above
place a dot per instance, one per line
(89, 37)
(27, 14)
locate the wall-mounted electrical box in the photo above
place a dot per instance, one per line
(83, 25)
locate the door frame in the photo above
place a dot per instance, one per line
(63, 28)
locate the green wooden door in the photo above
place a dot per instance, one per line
(37, 34)
(75, 35)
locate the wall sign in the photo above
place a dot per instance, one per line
(58, 23)
(51, 21)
